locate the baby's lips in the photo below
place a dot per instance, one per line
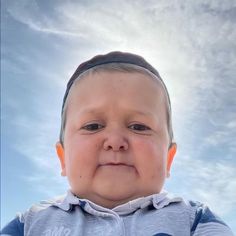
(115, 164)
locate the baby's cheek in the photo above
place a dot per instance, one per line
(149, 156)
(146, 148)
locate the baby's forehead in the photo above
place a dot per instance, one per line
(142, 85)
(128, 71)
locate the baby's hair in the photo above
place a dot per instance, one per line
(121, 67)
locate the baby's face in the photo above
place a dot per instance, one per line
(116, 137)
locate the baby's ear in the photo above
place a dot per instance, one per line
(171, 153)
(61, 156)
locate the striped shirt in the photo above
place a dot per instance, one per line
(158, 214)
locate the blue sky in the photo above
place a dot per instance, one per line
(191, 43)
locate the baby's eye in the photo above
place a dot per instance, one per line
(139, 127)
(93, 127)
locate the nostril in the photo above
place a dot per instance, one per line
(108, 147)
(122, 148)
(115, 146)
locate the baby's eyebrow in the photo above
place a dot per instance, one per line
(130, 112)
(141, 113)
(91, 111)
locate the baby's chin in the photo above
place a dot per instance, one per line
(115, 196)
(109, 190)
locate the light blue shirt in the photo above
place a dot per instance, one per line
(158, 214)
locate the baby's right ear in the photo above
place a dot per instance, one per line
(61, 156)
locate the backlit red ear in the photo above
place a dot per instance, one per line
(61, 156)
(171, 153)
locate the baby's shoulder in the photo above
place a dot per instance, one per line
(17, 226)
(41, 206)
(201, 212)
(204, 220)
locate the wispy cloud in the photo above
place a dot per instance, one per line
(221, 138)
(48, 185)
(35, 141)
(186, 40)
(213, 183)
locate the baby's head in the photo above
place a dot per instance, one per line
(116, 140)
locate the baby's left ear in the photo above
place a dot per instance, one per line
(61, 156)
(171, 153)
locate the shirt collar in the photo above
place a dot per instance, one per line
(158, 201)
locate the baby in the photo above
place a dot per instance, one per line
(116, 149)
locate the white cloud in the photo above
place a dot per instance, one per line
(213, 183)
(232, 124)
(48, 185)
(171, 34)
(221, 138)
(35, 140)
(40, 136)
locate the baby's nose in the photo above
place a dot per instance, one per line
(115, 142)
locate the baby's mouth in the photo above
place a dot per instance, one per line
(119, 164)
(119, 167)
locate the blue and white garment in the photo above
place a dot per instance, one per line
(156, 214)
